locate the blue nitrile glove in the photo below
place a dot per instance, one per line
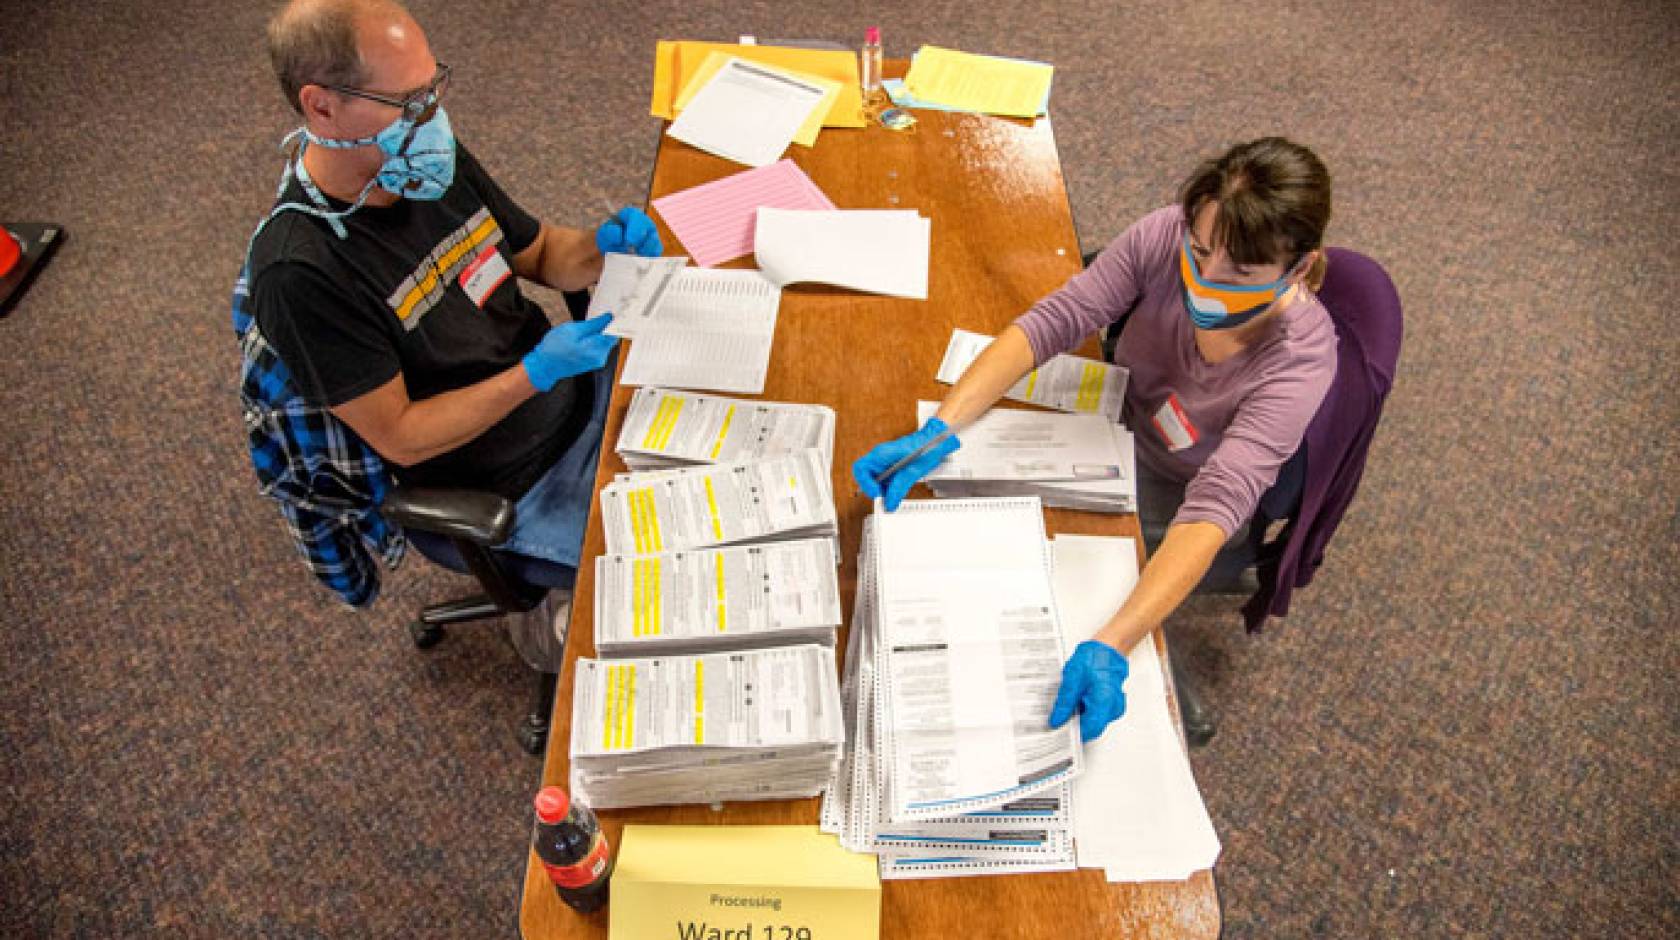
(871, 465)
(630, 232)
(570, 349)
(1091, 681)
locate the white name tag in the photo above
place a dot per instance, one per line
(1174, 425)
(486, 273)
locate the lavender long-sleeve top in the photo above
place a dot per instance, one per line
(1247, 414)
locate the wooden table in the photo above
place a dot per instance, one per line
(1002, 237)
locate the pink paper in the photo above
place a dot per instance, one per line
(715, 221)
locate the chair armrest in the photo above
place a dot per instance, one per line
(477, 516)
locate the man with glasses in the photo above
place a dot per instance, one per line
(383, 279)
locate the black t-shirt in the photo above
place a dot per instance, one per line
(424, 288)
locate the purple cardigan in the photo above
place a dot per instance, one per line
(1365, 308)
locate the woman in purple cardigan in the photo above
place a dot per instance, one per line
(1230, 353)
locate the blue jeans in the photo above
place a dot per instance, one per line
(550, 518)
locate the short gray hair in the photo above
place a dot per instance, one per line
(313, 42)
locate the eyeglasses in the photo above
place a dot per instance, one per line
(417, 107)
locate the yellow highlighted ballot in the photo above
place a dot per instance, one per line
(1009, 87)
(806, 136)
(676, 62)
(710, 882)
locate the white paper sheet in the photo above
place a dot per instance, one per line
(747, 113)
(714, 330)
(631, 288)
(1137, 812)
(882, 251)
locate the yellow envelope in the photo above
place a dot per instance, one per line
(807, 135)
(675, 62)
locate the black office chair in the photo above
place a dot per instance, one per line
(458, 529)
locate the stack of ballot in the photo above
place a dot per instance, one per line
(766, 500)
(748, 725)
(1070, 461)
(665, 428)
(778, 594)
(953, 661)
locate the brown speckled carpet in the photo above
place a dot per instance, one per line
(1468, 728)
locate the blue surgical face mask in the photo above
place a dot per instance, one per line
(419, 164)
(419, 159)
(1214, 306)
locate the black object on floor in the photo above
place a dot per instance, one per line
(38, 240)
(1193, 713)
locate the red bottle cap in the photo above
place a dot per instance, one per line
(552, 804)
(872, 35)
(10, 251)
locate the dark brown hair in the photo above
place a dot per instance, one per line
(1272, 201)
(313, 42)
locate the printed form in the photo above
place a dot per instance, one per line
(966, 611)
(749, 112)
(752, 724)
(668, 428)
(779, 498)
(1017, 444)
(630, 289)
(1066, 383)
(713, 330)
(782, 592)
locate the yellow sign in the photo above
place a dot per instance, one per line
(742, 883)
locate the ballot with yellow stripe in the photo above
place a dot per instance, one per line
(750, 724)
(713, 599)
(666, 428)
(774, 499)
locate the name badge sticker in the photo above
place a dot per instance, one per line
(1174, 425)
(486, 273)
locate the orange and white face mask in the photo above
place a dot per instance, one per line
(1214, 306)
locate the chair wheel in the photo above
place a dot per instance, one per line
(532, 735)
(1198, 734)
(426, 635)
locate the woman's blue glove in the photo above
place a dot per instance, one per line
(569, 349)
(867, 469)
(1091, 682)
(630, 232)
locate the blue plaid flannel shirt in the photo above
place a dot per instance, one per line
(327, 482)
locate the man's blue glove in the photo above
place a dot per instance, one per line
(630, 232)
(570, 349)
(1091, 681)
(868, 468)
